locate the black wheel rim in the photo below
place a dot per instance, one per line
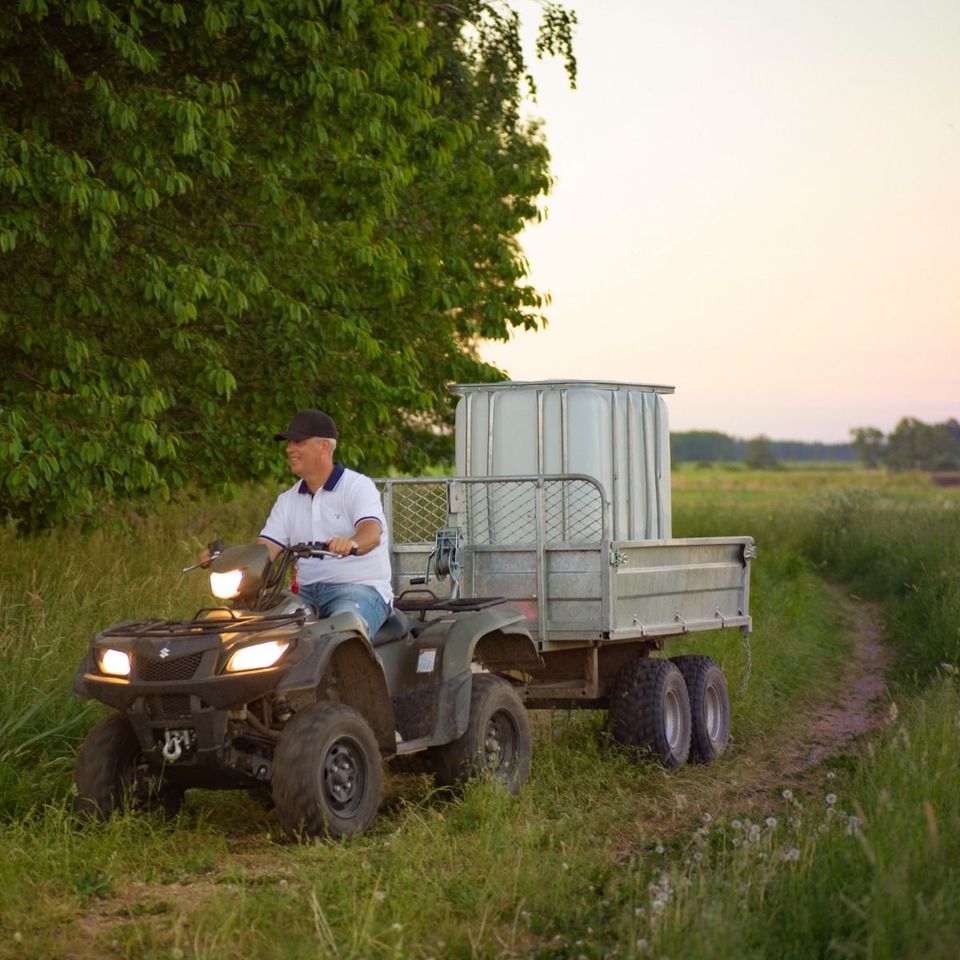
(344, 776)
(500, 743)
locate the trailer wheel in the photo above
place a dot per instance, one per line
(650, 710)
(111, 774)
(709, 706)
(327, 773)
(496, 743)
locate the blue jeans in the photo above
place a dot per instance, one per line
(331, 598)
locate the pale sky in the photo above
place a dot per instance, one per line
(759, 203)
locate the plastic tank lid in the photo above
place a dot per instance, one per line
(464, 388)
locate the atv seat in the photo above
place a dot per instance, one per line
(394, 627)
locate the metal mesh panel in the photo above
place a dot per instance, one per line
(497, 512)
(574, 512)
(417, 510)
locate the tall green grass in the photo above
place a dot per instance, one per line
(598, 857)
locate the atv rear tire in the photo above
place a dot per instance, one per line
(650, 710)
(709, 706)
(112, 775)
(496, 743)
(327, 773)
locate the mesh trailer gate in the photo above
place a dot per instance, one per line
(544, 544)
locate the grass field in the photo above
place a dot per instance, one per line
(599, 856)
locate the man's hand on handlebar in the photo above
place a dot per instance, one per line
(342, 546)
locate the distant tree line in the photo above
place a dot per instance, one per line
(913, 445)
(709, 446)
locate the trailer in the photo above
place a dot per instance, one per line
(560, 507)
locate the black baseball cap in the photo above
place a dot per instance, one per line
(309, 423)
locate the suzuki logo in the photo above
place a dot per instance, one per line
(164, 653)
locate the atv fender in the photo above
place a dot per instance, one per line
(342, 666)
(494, 638)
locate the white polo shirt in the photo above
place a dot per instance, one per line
(334, 511)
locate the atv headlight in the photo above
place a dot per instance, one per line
(226, 586)
(114, 662)
(258, 656)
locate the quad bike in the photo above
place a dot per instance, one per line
(264, 695)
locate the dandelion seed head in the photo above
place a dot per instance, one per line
(831, 775)
(659, 848)
(177, 953)
(642, 945)
(822, 828)
(830, 799)
(736, 824)
(771, 822)
(788, 794)
(566, 866)
(708, 818)
(380, 895)
(396, 927)
(853, 826)
(17, 937)
(792, 854)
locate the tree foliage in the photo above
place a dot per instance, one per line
(759, 454)
(915, 445)
(215, 212)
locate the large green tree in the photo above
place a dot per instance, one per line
(215, 212)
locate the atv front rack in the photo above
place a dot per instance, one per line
(201, 624)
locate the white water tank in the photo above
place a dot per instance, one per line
(616, 433)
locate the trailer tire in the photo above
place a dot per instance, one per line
(496, 743)
(650, 711)
(327, 773)
(709, 706)
(111, 775)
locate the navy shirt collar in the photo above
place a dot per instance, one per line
(332, 480)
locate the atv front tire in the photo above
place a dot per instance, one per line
(327, 773)
(112, 775)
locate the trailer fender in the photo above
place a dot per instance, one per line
(342, 666)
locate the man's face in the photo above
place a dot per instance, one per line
(307, 457)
